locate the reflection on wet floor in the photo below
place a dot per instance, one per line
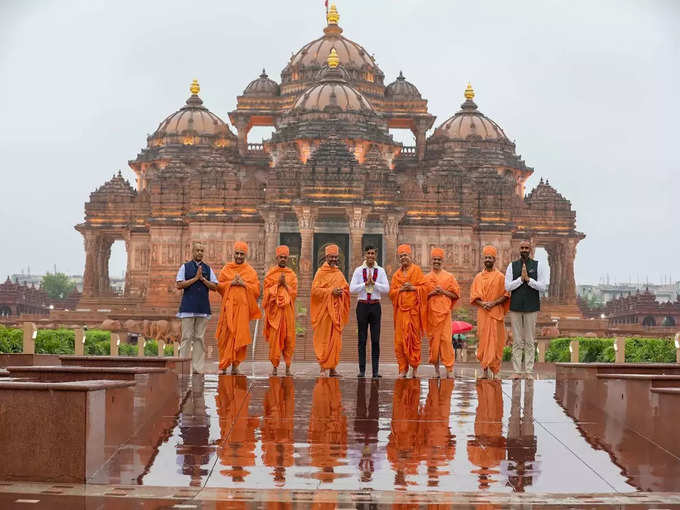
(406, 435)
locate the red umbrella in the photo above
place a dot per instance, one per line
(460, 327)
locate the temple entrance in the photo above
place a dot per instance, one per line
(648, 321)
(323, 240)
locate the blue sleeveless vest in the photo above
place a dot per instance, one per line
(195, 296)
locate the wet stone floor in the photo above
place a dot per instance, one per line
(239, 436)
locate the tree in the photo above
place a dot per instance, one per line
(57, 285)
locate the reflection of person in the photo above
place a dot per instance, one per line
(521, 442)
(329, 307)
(409, 301)
(237, 427)
(240, 288)
(278, 303)
(442, 294)
(366, 426)
(327, 429)
(525, 278)
(407, 437)
(196, 279)
(487, 449)
(489, 295)
(278, 426)
(194, 429)
(440, 445)
(369, 281)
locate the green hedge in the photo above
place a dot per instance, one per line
(61, 341)
(601, 350)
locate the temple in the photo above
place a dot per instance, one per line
(331, 172)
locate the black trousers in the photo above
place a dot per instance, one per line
(369, 314)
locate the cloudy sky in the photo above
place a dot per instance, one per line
(588, 90)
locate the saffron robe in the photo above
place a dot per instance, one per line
(406, 441)
(327, 435)
(440, 443)
(487, 449)
(278, 303)
(329, 314)
(278, 426)
(439, 309)
(410, 315)
(489, 286)
(239, 307)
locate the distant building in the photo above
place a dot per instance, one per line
(604, 292)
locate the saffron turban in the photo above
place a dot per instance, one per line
(404, 248)
(282, 250)
(241, 246)
(489, 250)
(332, 249)
(437, 252)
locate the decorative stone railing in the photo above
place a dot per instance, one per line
(408, 151)
(255, 147)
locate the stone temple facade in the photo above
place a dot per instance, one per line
(331, 172)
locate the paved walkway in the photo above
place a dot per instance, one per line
(245, 441)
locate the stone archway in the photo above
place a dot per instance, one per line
(5, 311)
(668, 321)
(649, 321)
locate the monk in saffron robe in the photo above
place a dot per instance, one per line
(329, 307)
(440, 443)
(278, 303)
(278, 427)
(408, 292)
(488, 294)
(443, 292)
(240, 288)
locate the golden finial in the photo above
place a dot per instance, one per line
(469, 92)
(195, 88)
(332, 16)
(333, 59)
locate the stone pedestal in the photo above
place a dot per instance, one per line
(79, 342)
(30, 333)
(573, 349)
(620, 349)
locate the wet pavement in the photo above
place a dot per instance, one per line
(332, 440)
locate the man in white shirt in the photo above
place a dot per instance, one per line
(369, 281)
(525, 279)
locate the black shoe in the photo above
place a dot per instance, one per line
(361, 375)
(377, 376)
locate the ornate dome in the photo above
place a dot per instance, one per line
(470, 124)
(262, 87)
(402, 89)
(333, 93)
(353, 57)
(193, 124)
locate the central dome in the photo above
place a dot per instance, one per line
(357, 62)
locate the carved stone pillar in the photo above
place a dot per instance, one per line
(419, 132)
(357, 226)
(102, 267)
(306, 216)
(90, 286)
(567, 270)
(553, 289)
(242, 125)
(271, 234)
(390, 232)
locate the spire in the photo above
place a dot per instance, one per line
(195, 88)
(333, 59)
(401, 76)
(264, 74)
(469, 92)
(469, 104)
(332, 16)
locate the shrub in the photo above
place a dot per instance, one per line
(168, 350)
(11, 340)
(601, 350)
(55, 341)
(507, 353)
(127, 350)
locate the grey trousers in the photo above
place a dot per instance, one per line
(523, 340)
(193, 331)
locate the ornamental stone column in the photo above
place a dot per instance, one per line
(242, 125)
(102, 267)
(568, 279)
(306, 216)
(271, 233)
(91, 241)
(357, 227)
(421, 127)
(390, 232)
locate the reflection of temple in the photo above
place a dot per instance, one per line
(331, 172)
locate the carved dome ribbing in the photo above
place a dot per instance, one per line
(193, 124)
(470, 124)
(333, 93)
(402, 89)
(262, 87)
